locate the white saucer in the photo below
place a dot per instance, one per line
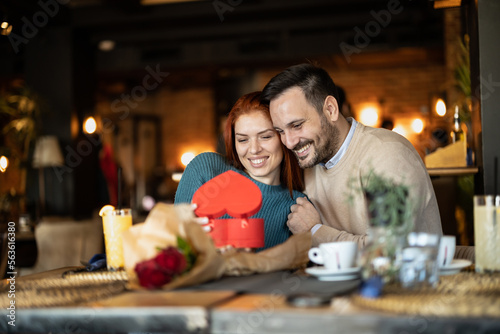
(338, 277)
(454, 267)
(324, 274)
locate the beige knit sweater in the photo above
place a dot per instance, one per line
(387, 153)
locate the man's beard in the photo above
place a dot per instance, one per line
(326, 150)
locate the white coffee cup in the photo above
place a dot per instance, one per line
(446, 250)
(335, 256)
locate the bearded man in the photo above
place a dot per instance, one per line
(337, 154)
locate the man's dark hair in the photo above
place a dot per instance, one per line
(314, 82)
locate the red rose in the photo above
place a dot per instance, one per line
(161, 269)
(151, 275)
(171, 260)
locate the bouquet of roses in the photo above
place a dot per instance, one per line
(167, 265)
(169, 250)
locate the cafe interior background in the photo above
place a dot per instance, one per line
(87, 86)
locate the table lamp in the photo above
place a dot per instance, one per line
(47, 154)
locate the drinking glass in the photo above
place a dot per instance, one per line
(487, 233)
(419, 268)
(114, 223)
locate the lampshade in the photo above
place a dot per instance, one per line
(47, 153)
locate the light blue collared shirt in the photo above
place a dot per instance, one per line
(336, 158)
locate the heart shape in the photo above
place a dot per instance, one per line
(230, 193)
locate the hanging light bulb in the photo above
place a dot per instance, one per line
(4, 163)
(417, 125)
(440, 107)
(90, 125)
(187, 157)
(369, 116)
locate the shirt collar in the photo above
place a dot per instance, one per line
(336, 158)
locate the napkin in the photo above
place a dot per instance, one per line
(96, 262)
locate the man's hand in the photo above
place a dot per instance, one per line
(303, 216)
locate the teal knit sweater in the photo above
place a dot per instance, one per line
(276, 200)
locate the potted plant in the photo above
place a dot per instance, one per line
(390, 219)
(20, 108)
(387, 203)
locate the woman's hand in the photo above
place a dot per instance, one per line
(303, 216)
(203, 221)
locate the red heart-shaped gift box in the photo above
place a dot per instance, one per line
(240, 198)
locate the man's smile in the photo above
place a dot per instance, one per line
(302, 151)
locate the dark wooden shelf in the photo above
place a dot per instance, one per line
(457, 171)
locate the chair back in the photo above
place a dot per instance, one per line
(4, 251)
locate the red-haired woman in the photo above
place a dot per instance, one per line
(253, 149)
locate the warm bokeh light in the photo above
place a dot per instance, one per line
(440, 108)
(369, 116)
(148, 203)
(417, 125)
(5, 28)
(4, 163)
(106, 45)
(90, 125)
(176, 177)
(400, 129)
(187, 157)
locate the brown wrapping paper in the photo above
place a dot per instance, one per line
(166, 221)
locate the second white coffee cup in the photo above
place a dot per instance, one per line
(446, 250)
(335, 256)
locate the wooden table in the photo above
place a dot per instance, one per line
(140, 311)
(209, 308)
(262, 314)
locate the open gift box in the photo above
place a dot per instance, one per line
(240, 198)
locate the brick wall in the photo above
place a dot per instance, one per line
(188, 123)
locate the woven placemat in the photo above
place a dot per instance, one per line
(465, 294)
(71, 289)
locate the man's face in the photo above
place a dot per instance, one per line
(311, 136)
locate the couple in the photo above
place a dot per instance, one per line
(299, 106)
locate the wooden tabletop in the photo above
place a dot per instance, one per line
(209, 308)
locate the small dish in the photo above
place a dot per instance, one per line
(338, 278)
(454, 267)
(325, 274)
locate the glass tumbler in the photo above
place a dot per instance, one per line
(487, 233)
(419, 268)
(115, 222)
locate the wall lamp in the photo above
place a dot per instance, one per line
(5, 27)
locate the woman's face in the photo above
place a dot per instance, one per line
(259, 147)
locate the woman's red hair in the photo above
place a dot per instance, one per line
(290, 173)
